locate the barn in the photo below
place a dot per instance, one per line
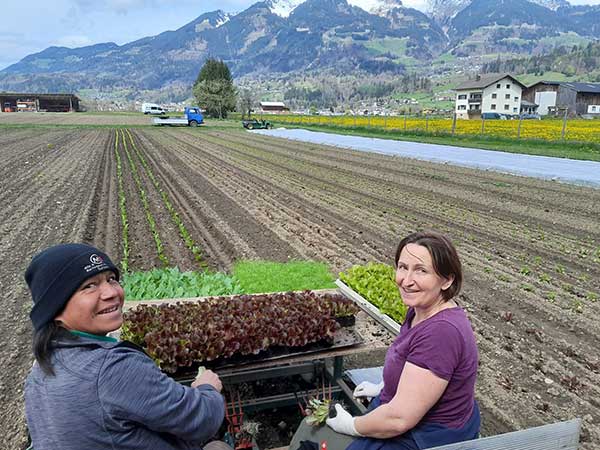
(273, 107)
(556, 96)
(20, 102)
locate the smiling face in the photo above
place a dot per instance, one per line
(96, 306)
(420, 286)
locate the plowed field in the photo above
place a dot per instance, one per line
(531, 248)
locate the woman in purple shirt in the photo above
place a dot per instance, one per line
(427, 395)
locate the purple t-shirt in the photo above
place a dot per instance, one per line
(445, 345)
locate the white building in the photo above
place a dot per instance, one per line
(490, 93)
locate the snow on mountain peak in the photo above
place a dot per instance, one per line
(283, 8)
(438, 9)
(379, 7)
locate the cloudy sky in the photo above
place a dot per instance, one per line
(29, 26)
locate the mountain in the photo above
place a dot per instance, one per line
(444, 10)
(337, 37)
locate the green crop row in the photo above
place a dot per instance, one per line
(375, 282)
(143, 197)
(183, 232)
(122, 207)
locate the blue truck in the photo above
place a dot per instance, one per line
(192, 117)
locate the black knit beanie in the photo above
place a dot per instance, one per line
(57, 272)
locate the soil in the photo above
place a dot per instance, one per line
(530, 248)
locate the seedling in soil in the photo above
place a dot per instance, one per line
(577, 306)
(551, 296)
(527, 287)
(504, 278)
(545, 278)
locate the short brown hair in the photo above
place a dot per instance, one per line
(446, 262)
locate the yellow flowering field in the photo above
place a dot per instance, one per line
(551, 130)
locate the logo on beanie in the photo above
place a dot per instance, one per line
(97, 264)
(95, 259)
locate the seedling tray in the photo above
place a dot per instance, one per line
(343, 338)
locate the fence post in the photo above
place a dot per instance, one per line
(564, 128)
(482, 125)
(453, 123)
(404, 121)
(385, 120)
(426, 123)
(354, 120)
(369, 123)
(519, 129)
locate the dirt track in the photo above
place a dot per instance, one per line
(531, 248)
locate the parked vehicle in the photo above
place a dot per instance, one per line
(153, 108)
(255, 124)
(528, 116)
(492, 116)
(192, 117)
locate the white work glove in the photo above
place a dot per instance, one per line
(367, 389)
(343, 422)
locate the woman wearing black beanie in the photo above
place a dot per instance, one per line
(89, 391)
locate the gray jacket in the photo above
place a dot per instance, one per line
(106, 395)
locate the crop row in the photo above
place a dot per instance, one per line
(576, 130)
(183, 231)
(122, 207)
(145, 203)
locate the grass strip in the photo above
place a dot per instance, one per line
(172, 283)
(122, 208)
(183, 232)
(143, 197)
(267, 276)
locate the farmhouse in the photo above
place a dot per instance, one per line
(556, 96)
(499, 93)
(17, 102)
(273, 107)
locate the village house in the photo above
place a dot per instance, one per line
(490, 93)
(556, 97)
(273, 107)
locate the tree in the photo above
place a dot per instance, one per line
(214, 89)
(246, 102)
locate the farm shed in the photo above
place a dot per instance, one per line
(579, 98)
(16, 101)
(273, 107)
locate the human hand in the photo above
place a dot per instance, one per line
(208, 377)
(343, 422)
(368, 390)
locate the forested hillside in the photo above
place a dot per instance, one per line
(582, 62)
